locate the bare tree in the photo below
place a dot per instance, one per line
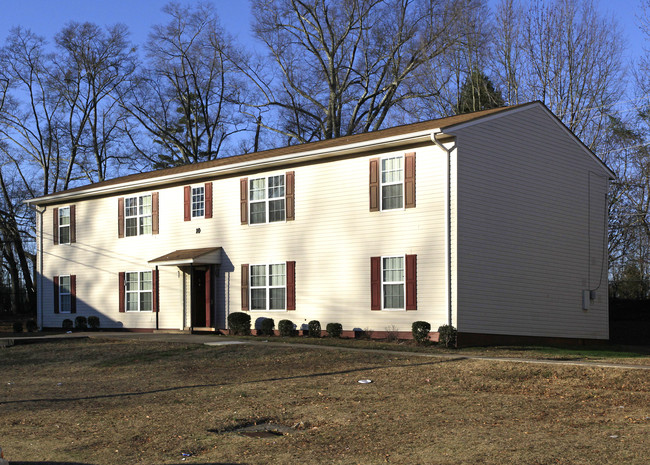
(185, 97)
(344, 67)
(508, 48)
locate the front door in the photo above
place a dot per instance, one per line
(201, 297)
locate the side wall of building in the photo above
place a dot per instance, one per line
(531, 230)
(331, 240)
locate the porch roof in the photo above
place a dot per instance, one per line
(205, 256)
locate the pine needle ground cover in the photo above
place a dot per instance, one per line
(118, 401)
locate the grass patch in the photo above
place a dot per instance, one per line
(120, 401)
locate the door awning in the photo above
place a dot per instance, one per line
(207, 256)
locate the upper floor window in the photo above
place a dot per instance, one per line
(198, 202)
(64, 225)
(267, 199)
(65, 294)
(138, 287)
(392, 183)
(138, 215)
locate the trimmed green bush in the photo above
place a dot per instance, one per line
(266, 327)
(67, 324)
(18, 326)
(31, 326)
(286, 328)
(240, 323)
(314, 328)
(81, 323)
(93, 322)
(447, 336)
(334, 329)
(420, 331)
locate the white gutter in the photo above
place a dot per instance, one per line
(229, 169)
(448, 277)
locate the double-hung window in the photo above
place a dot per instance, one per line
(65, 294)
(198, 202)
(267, 199)
(268, 287)
(64, 225)
(138, 287)
(138, 215)
(393, 282)
(392, 183)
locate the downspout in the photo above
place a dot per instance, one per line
(448, 237)
(39, 269)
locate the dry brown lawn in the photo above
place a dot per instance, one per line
(128, 402)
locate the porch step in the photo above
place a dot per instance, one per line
(171, 331)
(203, 330)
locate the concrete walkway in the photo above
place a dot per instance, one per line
(214, 340)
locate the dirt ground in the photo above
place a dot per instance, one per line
(132, 402)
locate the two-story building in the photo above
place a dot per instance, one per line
(495, 222)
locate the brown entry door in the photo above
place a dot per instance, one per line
(201, 298)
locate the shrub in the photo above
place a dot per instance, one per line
(420, 331)
(81, 323)
(286, 328)
(18, 326)
(240, 323)
(93, 322)
(447, 336)
(334, 329)
(314, 328)
(266, 327)
(31, 326)
(392, 333)
(67, 324)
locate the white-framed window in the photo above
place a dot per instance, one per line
(393, 283)
(64, 225)
(138, 290)
(267, 199)
(392, 182)
(198, 202)
(137, 215)
(268, 287)
(65, 294)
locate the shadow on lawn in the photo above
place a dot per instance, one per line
(197, 386)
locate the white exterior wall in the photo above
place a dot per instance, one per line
(331, 240)
(529, 232)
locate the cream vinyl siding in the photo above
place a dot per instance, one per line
(331, 240)
(530, 224)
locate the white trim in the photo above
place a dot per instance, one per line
(267, 200)
(192, 209)
(138, 216)
(403, 283)
(60, 226)
(61, 294)
(382, 184)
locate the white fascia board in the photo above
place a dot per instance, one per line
(230, 169)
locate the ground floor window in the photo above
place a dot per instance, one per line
(393, 283)
(65, 295)
(268, 287)
(138, 288)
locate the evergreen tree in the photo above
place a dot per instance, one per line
(478, 93)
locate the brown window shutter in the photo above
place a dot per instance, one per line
(154, 298)
(243, 200)
(208, 199)
(244, 288)
(73, 224)
(187, 203)
(290, 195)
(411, 282)
(56, 294)
(374, 184)
(375, 283)
(291, 285)
(73, 293)
(120, 217)
(122, 292)
(154, 213)
(409, 180)
(55, 224)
